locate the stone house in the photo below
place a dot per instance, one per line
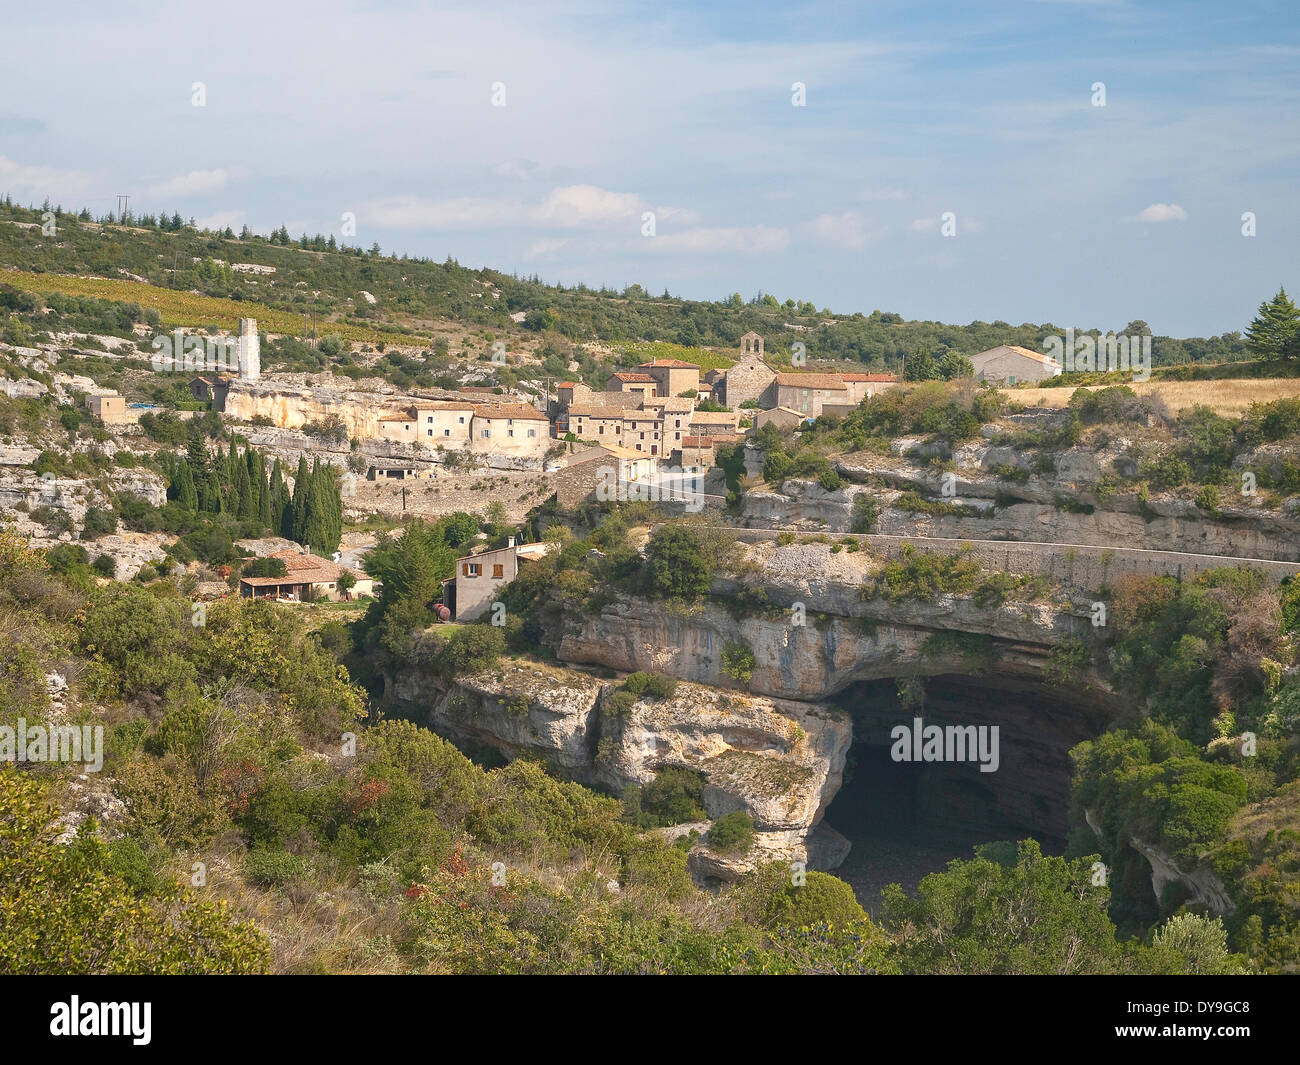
(307, 579)
(640, 383)
(808, 392)
(713, 423)
(672, 376)
(510, 429)
(1008, 364)
(443, 423)
(781, 417)
(109, 409)
(480, 577)
(862, 386)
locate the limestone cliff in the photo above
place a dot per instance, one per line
(779, 760)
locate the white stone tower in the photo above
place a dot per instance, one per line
(250, 350)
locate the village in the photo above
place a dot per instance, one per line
(654, 432)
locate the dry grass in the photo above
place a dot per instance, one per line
(1229, 398)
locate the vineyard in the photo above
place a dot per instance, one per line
(191, 309)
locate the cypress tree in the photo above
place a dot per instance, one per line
(262, 491)
(242, 497)
(279, 498)
(300, 483)
(185, 492)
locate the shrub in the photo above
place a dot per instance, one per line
(866, 512)
(99, 522)
(821, 899)
(738, 662)
(105, 566)
(273, 868)
(732, 833)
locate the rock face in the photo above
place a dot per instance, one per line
(1201, 882)
(779, 760)
(832, 640)
(1060, 508)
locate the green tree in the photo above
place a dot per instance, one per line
(1036, 915)
(1275, 331)
(675, 564)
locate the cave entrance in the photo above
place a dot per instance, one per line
(906, 819)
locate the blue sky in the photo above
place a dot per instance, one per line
(1065, 212)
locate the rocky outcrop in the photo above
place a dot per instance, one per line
(780, 761)
(821, 636)
(1061, 507)
(1201, 883)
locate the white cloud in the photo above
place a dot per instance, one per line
(1162, 212)
(566, 207)
(195, 183)
(924, 225)
(40, 181)
(849, 230)
(221, 219)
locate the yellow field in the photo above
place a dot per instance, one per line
(187, 309)
(1228, 398)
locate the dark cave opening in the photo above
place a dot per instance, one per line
(905, 819)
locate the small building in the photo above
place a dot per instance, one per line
(445, 424)
(862, 386)
(510, 429)
(397, 426)
(672, 376)
(1008, 364)
(212, 388)
(781, 417)
(640, 383)
(400, 473)
(480, 578)
(808, 392)
(307, 578)
(713, 422)
(109, 409)
(596, 422)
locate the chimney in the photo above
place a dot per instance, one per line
(510, 541)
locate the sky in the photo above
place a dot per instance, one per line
(551, 138)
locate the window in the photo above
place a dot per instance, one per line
(429, 419)
(532, 432)
(510, 421)
(510, 432)
(462, 420)
(430, 432)
(600, 431)
(1011, 380)
(472, 569)
(498, 570)
(677, 424)
(446, 432)
(654, 450)
(487, 433)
